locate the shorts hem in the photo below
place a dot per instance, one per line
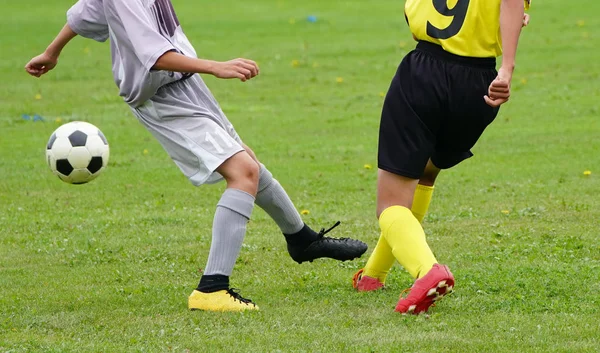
(450, 163)
(401, 172)
(209, 177)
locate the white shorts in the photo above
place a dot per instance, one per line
(188, 122)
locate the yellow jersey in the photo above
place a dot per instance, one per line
(462, 27)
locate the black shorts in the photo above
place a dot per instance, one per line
(434, 109)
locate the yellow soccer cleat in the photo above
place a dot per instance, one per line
(223, 300)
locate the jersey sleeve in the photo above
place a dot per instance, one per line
(87, 19)
(134, 28)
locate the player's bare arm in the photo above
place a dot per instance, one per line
(243, 69)
(512, 19)
(46, 61)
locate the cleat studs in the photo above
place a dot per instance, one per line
(411, 308)
(431, 292)
(442, 284)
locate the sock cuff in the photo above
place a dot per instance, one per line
(213, 283)
(237, 201)
(392, 208)
(425, 188)
(390, 215)
(304, 236)
(265, 178)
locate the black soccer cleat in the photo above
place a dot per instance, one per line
(319, 246)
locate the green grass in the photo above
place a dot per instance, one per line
(107, 267)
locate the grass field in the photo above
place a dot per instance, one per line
(108, 266)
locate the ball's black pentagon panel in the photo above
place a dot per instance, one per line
(78, 138)
(102, 137)
(63, 166)
(95, 165)
(51, 141)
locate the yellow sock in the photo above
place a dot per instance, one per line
(382, 259)
(406, 238)
(421, 201)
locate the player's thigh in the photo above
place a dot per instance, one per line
(430, 174)
(469, 116)
(197, 145)
(251, 153)
(406, 132)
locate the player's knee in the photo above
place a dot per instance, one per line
(247, 171)
(429, 174)
(428, 179)
(252, 172)
(241, 172)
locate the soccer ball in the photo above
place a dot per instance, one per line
(77, 152)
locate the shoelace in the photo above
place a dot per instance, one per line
(322, 232)
(237, 296)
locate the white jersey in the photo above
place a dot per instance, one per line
(140, 32)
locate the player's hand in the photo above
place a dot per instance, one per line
(41, 64)
(499, 90)
(242, 69)
(526, 19)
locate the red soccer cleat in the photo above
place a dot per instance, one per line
(365, 283)
(438, 282)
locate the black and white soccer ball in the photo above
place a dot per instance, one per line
(77, 152)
